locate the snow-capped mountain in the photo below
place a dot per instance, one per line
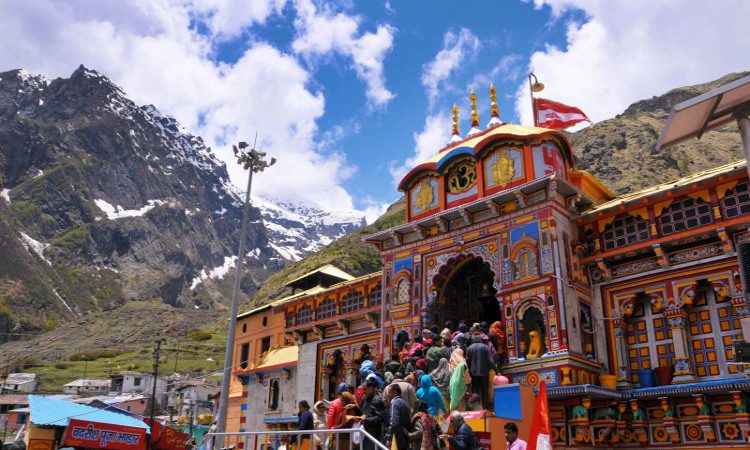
(103, 201)
(296, 229)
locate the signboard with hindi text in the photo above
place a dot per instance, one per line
(83, 433)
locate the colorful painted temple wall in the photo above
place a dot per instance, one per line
(628, 307)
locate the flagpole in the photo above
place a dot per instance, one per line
(534, 86)
(531, 94)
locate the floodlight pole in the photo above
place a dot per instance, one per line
(252, 161)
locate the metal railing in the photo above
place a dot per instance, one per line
(292, 440)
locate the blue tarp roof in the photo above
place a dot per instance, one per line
(55, 412)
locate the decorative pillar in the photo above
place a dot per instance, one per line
(351, 369)
(683, 372)
(639, 422)
(621, 347)
(670, 423)
(325, 383)
(740, 411)
(580, 422)
(704, 417)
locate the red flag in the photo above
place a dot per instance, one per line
(540, 429)
(555, 115)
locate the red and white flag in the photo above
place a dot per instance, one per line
(540, 429)
(556, 115)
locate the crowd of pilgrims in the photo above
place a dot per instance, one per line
(415, 402)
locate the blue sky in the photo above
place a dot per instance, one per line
(349, 95)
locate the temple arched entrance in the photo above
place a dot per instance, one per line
(465, 293)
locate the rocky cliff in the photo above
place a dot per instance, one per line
(103, 202)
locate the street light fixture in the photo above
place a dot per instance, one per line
(253, 161)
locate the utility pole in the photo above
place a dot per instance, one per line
(253, 161)
(177, 356)
(534, 86)
(155, 373)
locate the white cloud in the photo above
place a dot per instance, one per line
(150, 49)
(373, 209)
(626, 51)
(324, 31)
(227, 18)
(434, 136)
(457, 48)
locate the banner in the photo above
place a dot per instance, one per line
(83, 433)
(551, 114)
(167, 438)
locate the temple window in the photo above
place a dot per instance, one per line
(352, 301)
(273, 395)
(685, 214)
(304, 315)
(525, 264)
(587, 331)
(648, 337)
(625, 230)
(289, 320)
(713, 328)
(376, 296)
(737, 201)
(403, 292)
(326, 309)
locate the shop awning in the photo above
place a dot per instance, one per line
(275, 359)
(46, 411)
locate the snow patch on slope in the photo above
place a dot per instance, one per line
(217, 272)
(118, 212)
(5, 194)
(32, 245)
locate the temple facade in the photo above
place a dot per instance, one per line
(628, 307)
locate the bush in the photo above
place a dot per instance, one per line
(199, 335)
(61, 365)
(93, 355)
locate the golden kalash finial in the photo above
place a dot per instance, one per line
(474, 113)
(456, 129)
(493, 102)
(494, 112)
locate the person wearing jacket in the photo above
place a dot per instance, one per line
(374, 413)
(424, 429)
(480, 362)
(408, 393)
(336, 407)
(400, 420)
(463, 437)
(431, 395)
(435, 353)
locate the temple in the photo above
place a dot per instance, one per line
(627, 306)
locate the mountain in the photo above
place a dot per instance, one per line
(622, 151)
(104, 202)
(297, 229)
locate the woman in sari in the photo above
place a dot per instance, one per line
(424, 429)
(441, 379)
(460, 378)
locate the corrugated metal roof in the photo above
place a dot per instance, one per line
(695, 178)
(54, 412)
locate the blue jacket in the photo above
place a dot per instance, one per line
(464, 438)
(431, 395)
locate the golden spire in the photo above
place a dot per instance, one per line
(456, 130)
(474, 114)
(493, 102)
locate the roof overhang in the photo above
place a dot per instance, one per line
(499, 198)
(705, 112)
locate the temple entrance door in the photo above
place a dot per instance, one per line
(338, 373)
(468, 295)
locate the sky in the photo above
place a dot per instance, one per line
(348, 96)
